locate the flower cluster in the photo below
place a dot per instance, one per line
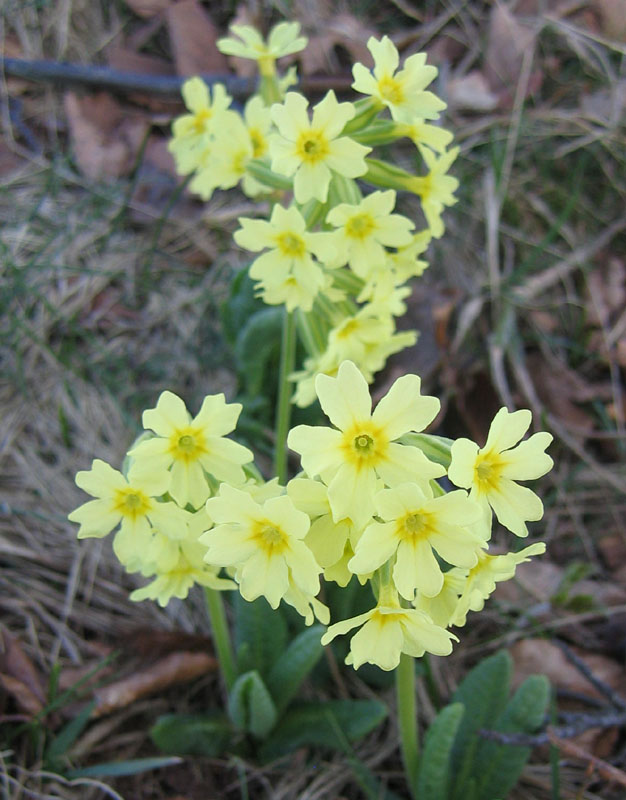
(367, 506)
(339, 259)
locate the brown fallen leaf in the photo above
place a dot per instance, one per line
(193, 38)
(471, 92)
(19, 676)
(148, 8)
(533, 656)
(327, 31)
(508, 43)
(105, 137)
(561, 389)
(23, 696)
(175, 668)
(613, 18)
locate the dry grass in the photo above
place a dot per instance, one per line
(97, 318)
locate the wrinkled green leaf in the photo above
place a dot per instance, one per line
(260, 634)
(484, 693)
(498, 766)
(434, 772)
(250, 705)
(328, 724)
(192, 734)
(294, 665)
(258, 347)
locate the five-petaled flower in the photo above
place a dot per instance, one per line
(363, 447)
(312, 150)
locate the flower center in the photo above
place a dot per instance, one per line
(290, 244)
(487, 471)
(201, 118)
(270, 538)
(187, 444)
(259, 143)
(312, 147)
(131, 503)
(391, 90)
(415, 523)
(363, 444)
(360, 226)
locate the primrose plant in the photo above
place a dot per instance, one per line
(377, 500)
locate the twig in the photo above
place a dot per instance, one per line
(539, 283)
(611, 695)
(116, 80)
(582, 723)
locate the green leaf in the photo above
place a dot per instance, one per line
(498, 766)
(258, 344)
(66, 737)
(484, 693)
(112, 769)
(250, 705)
(294, 665)
(192, 734)
(260, 634)
(434, 772)
(331, 724)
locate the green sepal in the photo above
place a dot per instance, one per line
(434, 770)
(435, 448)
(250, 705)
(192, 734)
(261, 170)
(294, 665)
(332, 724)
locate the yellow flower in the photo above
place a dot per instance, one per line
(490, 472)
(442, 608)
(312, 150)
(389, 631)
(130, 502)
(421, 133)
(192, 133)
(224, 164)
(258, 121)
(282, 41)
(481, 580)
(362, 448)
(288, 272)
(402, 92)
(436, 188)
(415, 523)
(184, 448)
(405, 262)
(178, 567)
(264, 544)
(364, 230)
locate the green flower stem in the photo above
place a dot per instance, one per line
(283, 416)
(221, 635)
(407, 719)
